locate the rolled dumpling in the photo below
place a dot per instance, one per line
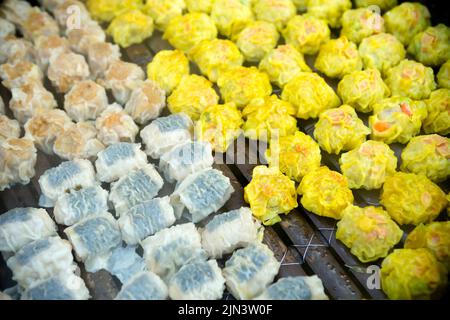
(295, 288)
(144, 286)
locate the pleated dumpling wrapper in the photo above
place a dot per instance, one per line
(9, 128)
(21, 226)
(162, 11)
(340, 129)
(85, 101)
(20, 72)
(201, 194)
(278, 12)
(168, 68)
(432, 46)
(412, 199)
(250, 270)
(66, 70)
(368, 165)
(201, 280)
(408, 274)
(329, 10)
(443, 76)
(143, 286)
(295, 288)
(295, 155)
(82, 38)
(137, 186)
(106, 10)
(310, 94)
(48, 48)
(130, 27)
(369, 232)
(361, 23)
(40, 260)
(100, 56)
(231, 16)
(438, 119)
(325, 193)
(199, 5)
(67, 176)
(164, 133)
(230, 230)
(119, 159)
(428, 155)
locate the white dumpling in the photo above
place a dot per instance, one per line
(94, 235)
(14, 49)
(16, 11)
(6, 29)
(21, 226)
(40, 260)
(100, 56)
(169, 249)
(65, 177)
(186, 159)
(295, 288)
(165, 133)
(19, 72)
(229, 231)
(66, 70)
(197, 281)
(118, 160)
(201, 194)
(250, 270)
(64, 286)
(48, 48)
(76, 205)
(81, 39)
(144, 286)
(9, 128)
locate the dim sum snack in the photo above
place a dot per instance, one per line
(329, 10)
(369, 232)
(408, 274)
(162, 11)
(21, 226)
(219, 125)
(250, 270)
(17, 161)
(231, 16)
(165, 133)
(14, 50)
(76, 205)
(270, 193)
(361, 23)
(325, 193)
(81, 39)
(9, 128)
(201, 194)
(100, 56)
(428, 155)
(130, 27)
(66, 70)
(438, 119)
(135, 187)
(193, 94)
(310, 94)
(397, 119)
(145, 219)
(63, 11)
(199, 5)
(16, 11)
(278, 12)
(412, 199)
(295, 288)
(361, 89)
(38, 24)
(340, 129)
(106, 10)
(432, 46)
(306, 33)
(443, 76)
(228, 231)
(7, 29)
(197, 281)
(18, 73)
(86, 100)
(146, 102)
(143, 286)
(50, 47)
(114, 125)
(119, 159)
(382, 4)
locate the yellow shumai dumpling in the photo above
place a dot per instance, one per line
(382, 4)
(381, 51)
(361, 23)
(369, 165)
(269, 194)
(212, 56)
(413, 274)
(369, 232)
(295, 155)
(306, 33)
(282, 64)
(412, 199)
(310, 94)
(325, 193)
(412, 79)
(361, 89)
(407, 20)
(231, 16)
(338, 57)
(300, 4)
(432, 46)
(219, 125)
(185, 32)
(257, 39)
(428, 155)
(106, 10)
(435, 237)
(130, 27)
(241, 85)
(278, 12)
(438, 106)
(192, 96)
(329, 10)
(397, 119)
(199, 5)
(340, 129)
(269, 117)
(162, 11)
(443, 76)
(167, 68)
